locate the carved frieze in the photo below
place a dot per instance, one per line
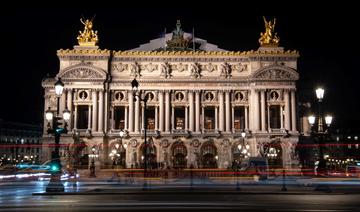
(209, 67)
(82, 73)
(150, 67)
(239, 67)
(119, 67)
(179, 67)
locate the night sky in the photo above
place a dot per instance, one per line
(325, 35)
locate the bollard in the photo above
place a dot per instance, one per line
(283, 182)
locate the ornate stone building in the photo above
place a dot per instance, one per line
(201, 99)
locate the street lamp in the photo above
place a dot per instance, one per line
(135, 89)
(243, 150)
(320, 133)
(92, 166)
(55, 184)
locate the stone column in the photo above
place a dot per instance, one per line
(256, 110)
(197, 111)
(161, 110)
(131, 112)
(112, 121)
(76, 117)
(232, 118)
(137, 115)
(203, 117)
(62, 103)
(106, 111)
(69, 107)
(287, 110)
(281, 117)
(186, 118)
(126, 119)
(221, 111)
(268, 116)
(216, 118)
(101, 111)
(263, 119)
(142, 117)
(293, 111)
(191, 110)
(156, 118)
(89, 118)
(173, 117)
(246, 117)
(227, 111)
(94, 111)
(167, 111)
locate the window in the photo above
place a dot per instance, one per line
(119, 117)
(180, 118)
(275, 116)
(83, 115)
(239, 118)
(209, 118)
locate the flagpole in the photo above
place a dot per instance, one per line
(193, 39)
(165, 39)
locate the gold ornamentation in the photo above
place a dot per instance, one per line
(269, 38)
(87, 37)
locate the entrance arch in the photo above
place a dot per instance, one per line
(273, 152)
(150, 151)
(209, 155)
(179, 155)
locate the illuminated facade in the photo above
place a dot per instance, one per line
(201, 98)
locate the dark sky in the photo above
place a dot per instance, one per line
(324, 34)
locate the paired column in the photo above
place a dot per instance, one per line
(186, 118)
(126, 118)
(191, 110)
(106, 109)
(156, 118)
(76, 117)
(167, 111)
(221, 110)
(131, 112)
(69, 107)
(287, 110)
(197, 111)
(94, 111)
(137, 115)
(216, 118)
(89, 118)
(227, 111)
(262, 97)
(293, 111)
(256, 110)
(172, 118)
(161, 110)
(246, 118)
(101, 111)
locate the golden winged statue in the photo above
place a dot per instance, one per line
(87, 37)
(269, 38)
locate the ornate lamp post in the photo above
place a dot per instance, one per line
(243, 150)
(55, 184)
(135, 89)
(92, 166)
(320, 133)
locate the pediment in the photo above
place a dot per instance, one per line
(83, 71)
(276, 73)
